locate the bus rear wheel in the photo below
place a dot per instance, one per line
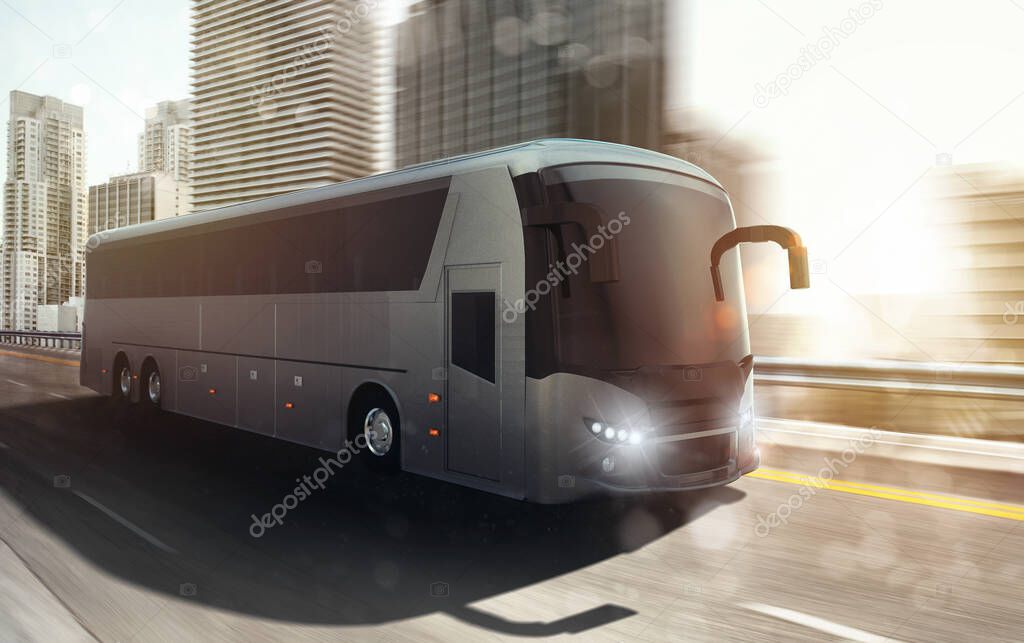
(374, 416)
(152, 386)
(121, 389)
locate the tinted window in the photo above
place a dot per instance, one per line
(473, 333)
(374, 242)
(662, 310)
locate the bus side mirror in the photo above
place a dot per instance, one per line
(603, 262)
(799, 273)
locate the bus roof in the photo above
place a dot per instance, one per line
(521, 158)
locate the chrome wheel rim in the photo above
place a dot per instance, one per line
(126, 381)
(378, 432)
(154, 387)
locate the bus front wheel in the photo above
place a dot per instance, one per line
(374, 418)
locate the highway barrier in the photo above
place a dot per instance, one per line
(997, 381)
(41, 338)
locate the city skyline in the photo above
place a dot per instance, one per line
(68, 50)
(114, 61)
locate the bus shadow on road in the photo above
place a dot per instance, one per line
(365, 550)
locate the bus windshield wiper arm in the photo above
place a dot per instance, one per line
(799, 275)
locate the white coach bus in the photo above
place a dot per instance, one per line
(537, 321)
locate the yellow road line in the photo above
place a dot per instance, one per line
(801, 478)
(985, 508)
(40, 358)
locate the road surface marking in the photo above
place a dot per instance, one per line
(969, 505)
(797, 477)
(835, 629)
(18, 383)
(152, 540)
(58, 395)
(41, 358)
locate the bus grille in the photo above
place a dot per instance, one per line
(680, 457)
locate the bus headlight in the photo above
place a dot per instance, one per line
(613, 434)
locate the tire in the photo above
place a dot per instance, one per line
(152, 387)
(373, 415)
(121, 386)
(124, 411)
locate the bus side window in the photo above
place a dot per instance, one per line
(473, 333)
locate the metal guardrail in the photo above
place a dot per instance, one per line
(41, 338)
(958, 380)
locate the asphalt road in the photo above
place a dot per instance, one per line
(118, 529)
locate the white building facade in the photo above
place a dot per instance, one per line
(42, 259)
(286, 96)
(166, 146)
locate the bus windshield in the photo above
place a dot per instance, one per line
(659, 307)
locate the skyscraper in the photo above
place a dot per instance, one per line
(130, 199)
(44, 221)
(477, 74)
(166, 146)
(285, 96)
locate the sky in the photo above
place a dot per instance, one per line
(857, 139)
(113, 57)
(852, 141)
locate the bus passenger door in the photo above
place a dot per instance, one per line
(473, 334)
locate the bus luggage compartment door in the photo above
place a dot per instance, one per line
(472, 351)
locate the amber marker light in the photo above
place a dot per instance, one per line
(213, 391)
(434, 432)
(433, 398)
(289, 405)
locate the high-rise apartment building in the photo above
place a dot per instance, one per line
(285, 96)
(477, 74)
(129, 199)
(42, 259)
(166, 146)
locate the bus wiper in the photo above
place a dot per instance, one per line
(799, 274)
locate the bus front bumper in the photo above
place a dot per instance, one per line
(646, 481)
(636, 476)
(689, 482)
